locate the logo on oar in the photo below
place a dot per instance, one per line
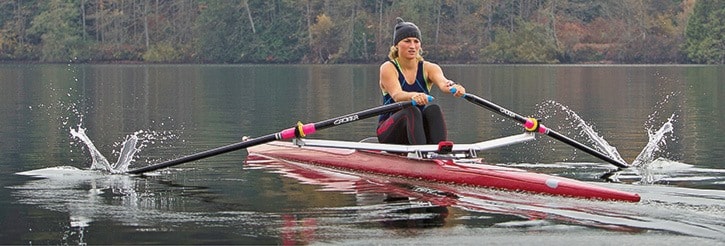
(508, 112)
(346, 119)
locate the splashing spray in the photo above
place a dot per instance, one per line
(587, 130)
(656, 141)
(125, 157)
(99, 161)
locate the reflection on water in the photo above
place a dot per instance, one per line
(395, 205)
(91, 197)
(73, 191)
(502, 209)
(406, 207)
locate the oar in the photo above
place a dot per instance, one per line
(532, 124)
(299, 131)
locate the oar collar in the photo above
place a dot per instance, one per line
(532, 125)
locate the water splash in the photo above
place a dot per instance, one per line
(648, 154)
(127, 153)
(127, 150)
(69, 107)
(599, 142)
(587, 130)
(656, 141)
(100, 162)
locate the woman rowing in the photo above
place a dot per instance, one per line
(406, 76)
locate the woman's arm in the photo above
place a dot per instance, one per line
(436, 76)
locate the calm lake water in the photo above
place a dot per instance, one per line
(49, 196)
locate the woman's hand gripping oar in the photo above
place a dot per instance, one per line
(299, 131)
(532, 125)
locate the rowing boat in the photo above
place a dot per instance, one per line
(447, 163)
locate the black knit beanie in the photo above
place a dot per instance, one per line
(404, 30)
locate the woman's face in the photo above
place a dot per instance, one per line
(408, 48)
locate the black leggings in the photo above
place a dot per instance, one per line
(411, 126)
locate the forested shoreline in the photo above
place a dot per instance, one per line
(360, 31)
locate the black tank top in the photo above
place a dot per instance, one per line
(421, 85)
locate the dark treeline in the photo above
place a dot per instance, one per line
(360, 31)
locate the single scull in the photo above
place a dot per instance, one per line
(447, 163)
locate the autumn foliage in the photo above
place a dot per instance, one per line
(353, 31)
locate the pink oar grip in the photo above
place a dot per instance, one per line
(290, 132)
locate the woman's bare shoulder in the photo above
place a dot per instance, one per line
(388, 67)
(387, 64)
(432, 68)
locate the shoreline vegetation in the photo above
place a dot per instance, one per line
(360, 32)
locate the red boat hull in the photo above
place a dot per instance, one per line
(444, 171)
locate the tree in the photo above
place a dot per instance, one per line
(661, 32)
(288, 31)
(218, 39)
(324, 41)
(705, 34)
(166, 31)
(15, 18)
(281, 33)
(528, 44)
(61, 33)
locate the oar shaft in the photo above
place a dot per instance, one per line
(205, 154)
(551, 133)
(575, 144)
(284, 134)
(493, 107)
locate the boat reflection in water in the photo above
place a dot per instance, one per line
(400, 203)
(378, 201)
(373, 209)
(405, 205)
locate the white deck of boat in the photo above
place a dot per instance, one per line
(480, 146)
